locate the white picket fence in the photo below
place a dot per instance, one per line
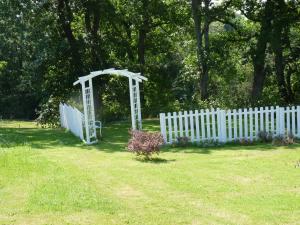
(71, 119)
(229, 125)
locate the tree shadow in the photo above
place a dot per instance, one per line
(115, 140)
(256, 146)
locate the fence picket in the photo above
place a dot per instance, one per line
(251, 124)
(272, 119)
(288, 120)
(267, 119)
(229, 125)
(163, 126)
(208, 124)
(293, 111)
(261, 117)
(180, 124)
(203, 136)
(278, 119)
(175, 125)
(170, 127)
(186, 124)
(223, 126)
(191, 115)
(235, 124)
(298, 121)
(197, 125)
(245, 124)
(256, 122)
(213, 123)
(282, 121)
(240, 124)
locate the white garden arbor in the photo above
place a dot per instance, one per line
(88, 99)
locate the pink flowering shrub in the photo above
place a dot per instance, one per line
(145, 143)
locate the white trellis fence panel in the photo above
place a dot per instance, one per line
(71, 119)
(229, 125)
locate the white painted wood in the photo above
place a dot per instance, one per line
(163, 126)
(278, 126)
(186, 124)
(208, 124)
(235, 130)
(89, 111)
(251, 124)
(216, 124)
(133, 122)
(293, 112)
(219, 124)
(197, 125)
(170, 131)
(298, 121)
(272, 119)
(246, 124)
(240, 124)
(203, 136)
(261, 118)
(191, 115)
(282, 121)
(213, 123)
(175, 125)
(267, 129)
(288, 120)
(86, 120)
(125, 73)
(180, 117)
(223, 126)
(256, 122)
(229, 115)
(139, 105)
(72, 119)
(92, 108)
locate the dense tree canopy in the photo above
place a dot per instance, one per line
(196, 53)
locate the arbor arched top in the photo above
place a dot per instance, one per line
(136, 76)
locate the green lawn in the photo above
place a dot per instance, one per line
(48, 177)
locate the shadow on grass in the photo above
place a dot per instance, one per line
(114, 140)
(256, 146)
(154, 160)
(115, 137)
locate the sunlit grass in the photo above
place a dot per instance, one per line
(47, 176)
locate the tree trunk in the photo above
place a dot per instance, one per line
(202, 51)
(260, 53)
(65, 19)
(196, 11)
(143, 31)
(205, 61)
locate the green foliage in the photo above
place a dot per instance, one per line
(46, 45)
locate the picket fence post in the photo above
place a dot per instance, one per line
(221, 125)
(162, 117)
(170, 128)
(298, 121)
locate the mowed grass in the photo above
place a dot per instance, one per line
(47, 176)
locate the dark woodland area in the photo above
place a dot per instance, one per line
(195, 54)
